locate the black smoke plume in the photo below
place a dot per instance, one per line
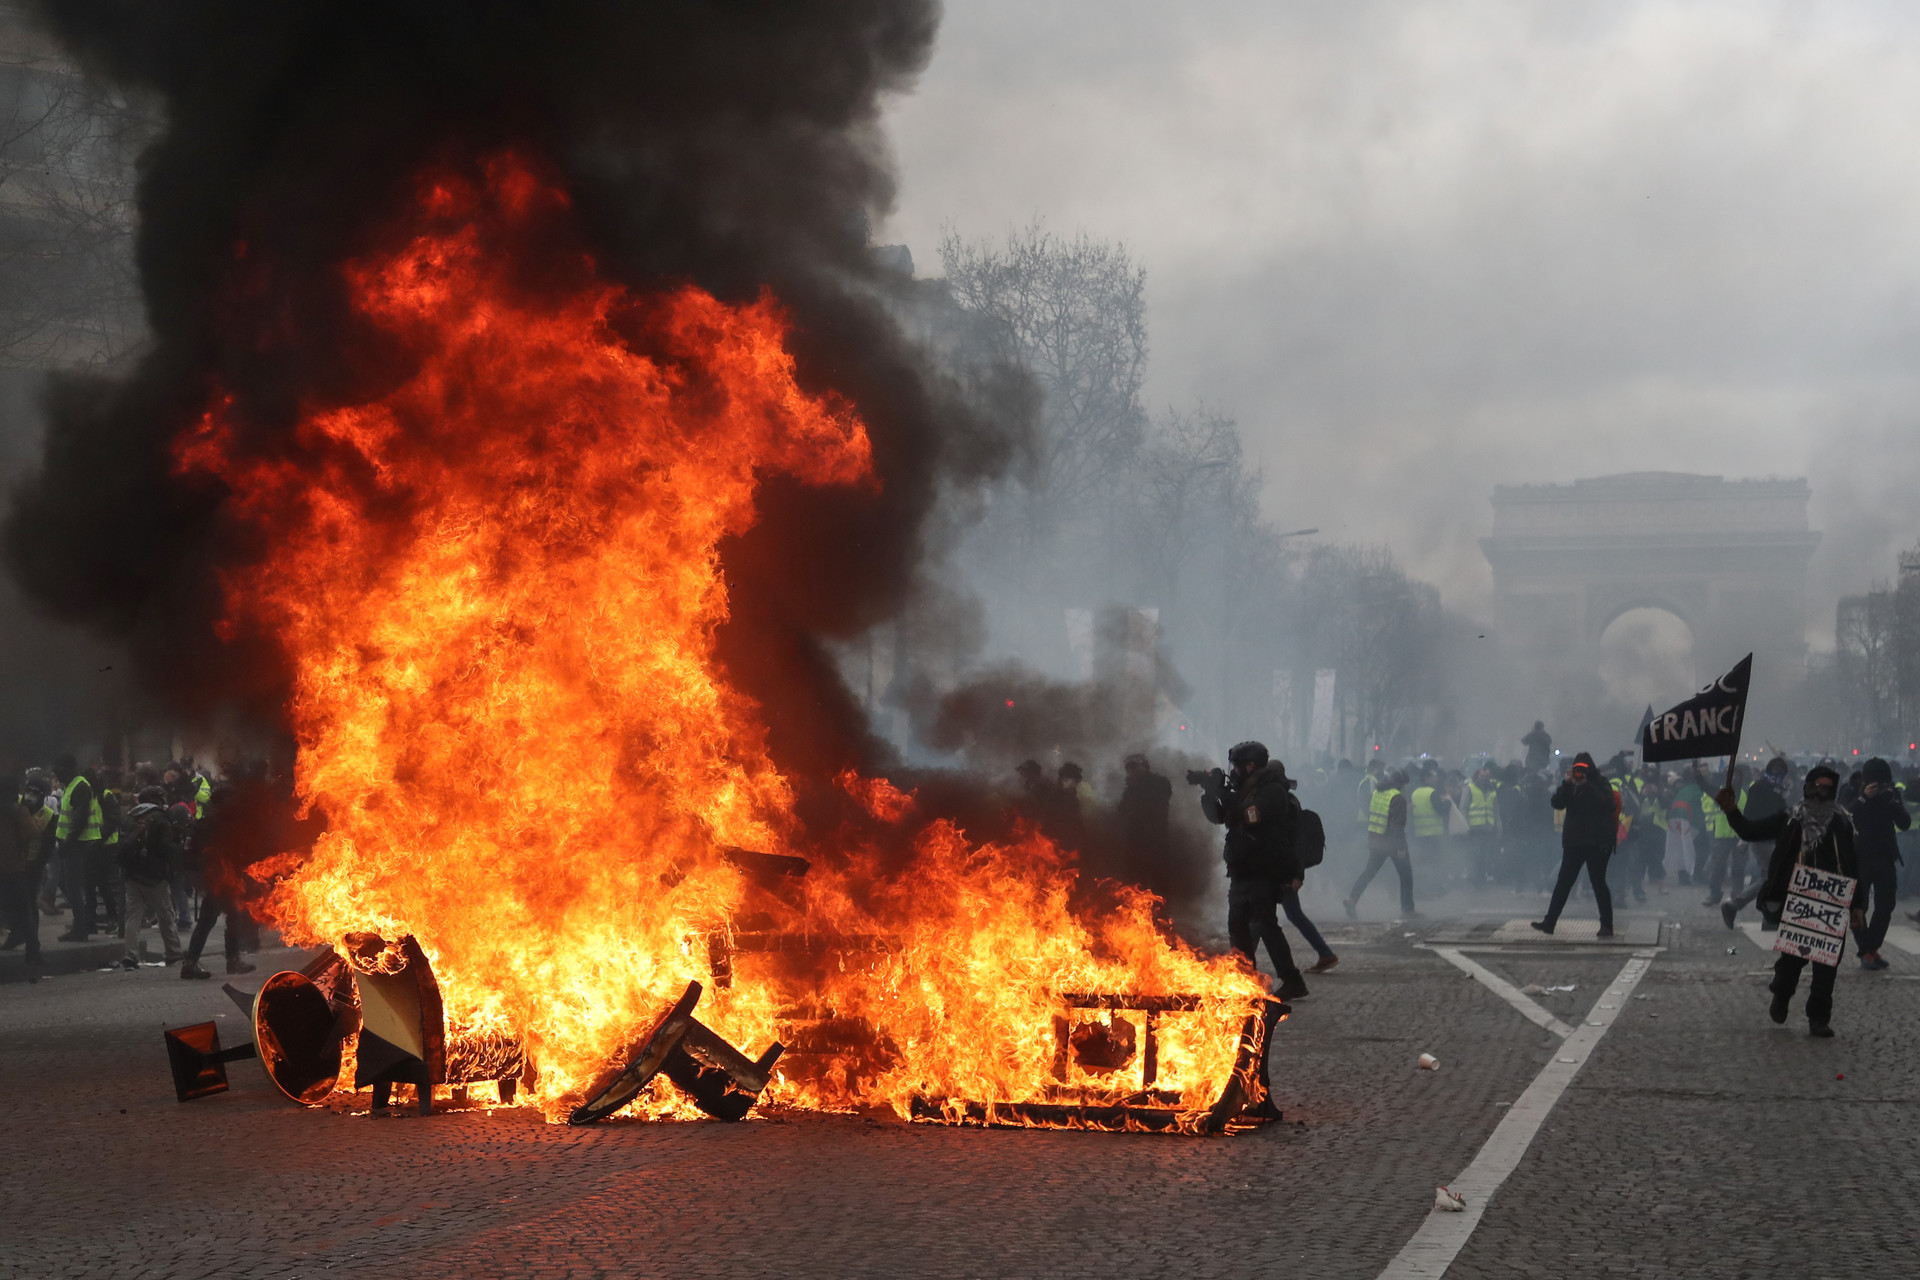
(731, 144)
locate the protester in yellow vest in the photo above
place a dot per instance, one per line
(84, 864)
(1386, 841)
(1724, 850)
(1427, 809)
(1483, 823)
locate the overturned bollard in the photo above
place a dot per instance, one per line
(297, 1034)
(722, 1081)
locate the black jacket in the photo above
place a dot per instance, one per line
(1592, 820)
(1764, 799)
(1260, 824)
(1834, 853)
(1144, 806)
(1877, 822)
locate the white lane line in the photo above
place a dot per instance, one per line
(1905, 937)
(1505, 990)
(1441, 1237)
(1751, 928)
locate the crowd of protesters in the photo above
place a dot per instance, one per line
(119, 852)
(1546, 824)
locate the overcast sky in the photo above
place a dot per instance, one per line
(1423, 248)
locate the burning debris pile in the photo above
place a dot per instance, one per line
(532, 444)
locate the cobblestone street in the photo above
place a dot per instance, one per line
(1668, 1155)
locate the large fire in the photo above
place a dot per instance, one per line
(498, 585)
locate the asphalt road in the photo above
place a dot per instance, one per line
(1699, 1140)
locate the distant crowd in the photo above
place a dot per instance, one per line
(120, 852)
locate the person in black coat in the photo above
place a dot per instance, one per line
(1587, 837)
(1818, 832)
(1260, 815)
(1879, 816)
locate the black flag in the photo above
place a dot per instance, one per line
(1705, 725)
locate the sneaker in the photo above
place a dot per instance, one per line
(1323, 964)
(71, 936)
(129, 961)
(1874, 963)
(1727, 912)
(1710, 902)
(1293, 987)
(1349, 904)
(1778, 1009)
(175, 957)
(192, 969)
(33, 971)
(236, 965)
(1542, 926)
(1820, 1031)
(1604, 933)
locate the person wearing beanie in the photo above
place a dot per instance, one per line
(1879, 815)
(1587, 838)
(1817, 832)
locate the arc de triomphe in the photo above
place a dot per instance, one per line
(1727, 557)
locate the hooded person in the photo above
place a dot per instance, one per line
(1587, 838)
(1819, 833)
(1879, 816)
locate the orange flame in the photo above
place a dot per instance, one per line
(498, 586)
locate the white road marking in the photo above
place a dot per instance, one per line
(1506, 991)
(1441, 1237)
(1762, 940)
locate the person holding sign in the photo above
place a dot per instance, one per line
(1818, 834)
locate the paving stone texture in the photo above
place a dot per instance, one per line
(1700, 1140)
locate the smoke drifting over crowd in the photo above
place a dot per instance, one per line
(731, 147)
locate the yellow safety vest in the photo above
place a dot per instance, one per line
(1377, 810)
(1717, 824)
(89, 825)
(1422, 818)
(1481, 810)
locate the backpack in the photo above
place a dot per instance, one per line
(1309, 839)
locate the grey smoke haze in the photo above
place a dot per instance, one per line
(1423, 248)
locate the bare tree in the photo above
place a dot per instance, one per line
(69, 292)
(1072, 313)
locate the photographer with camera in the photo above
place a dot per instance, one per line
(1256, 806)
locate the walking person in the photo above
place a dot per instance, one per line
(1386, 841)
(1726, 856)
(1879, 817)
(148, 854)
(1309, 850)
(1765, 798)
(1586, 840)
(1816, 832)
(1259, 812)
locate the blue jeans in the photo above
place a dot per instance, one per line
(1290, 903)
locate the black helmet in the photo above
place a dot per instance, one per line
(1253, 753)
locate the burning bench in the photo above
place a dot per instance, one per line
(1102, 1047)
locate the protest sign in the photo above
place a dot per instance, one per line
(1813, 923)
(1707, 724)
